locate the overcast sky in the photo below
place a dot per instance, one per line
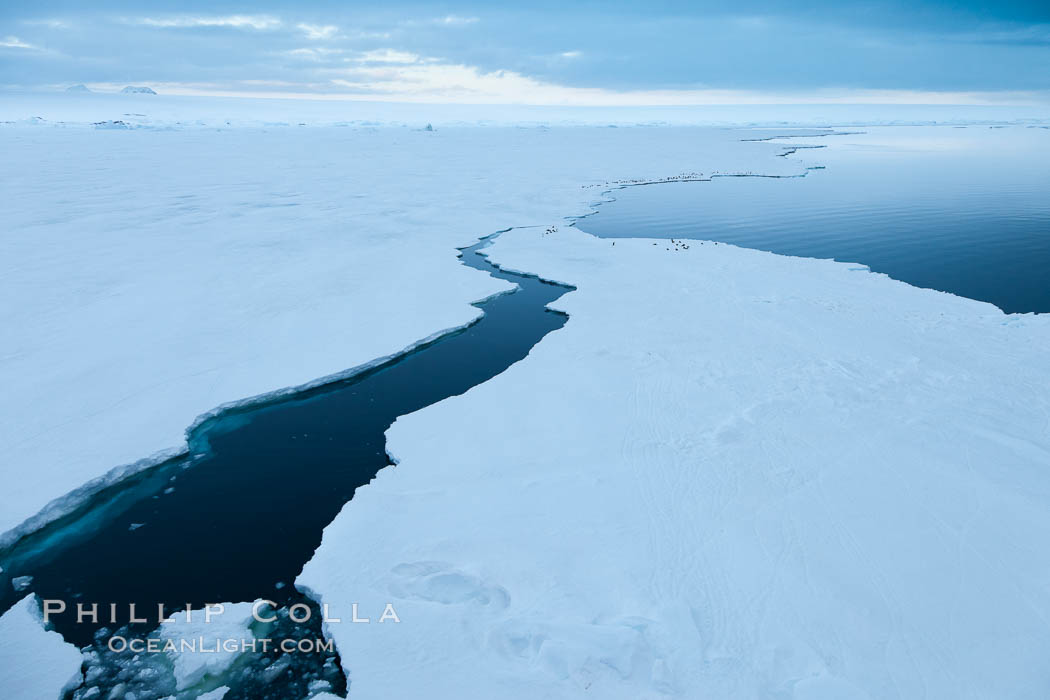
(538, 52)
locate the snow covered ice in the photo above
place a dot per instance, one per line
(152, 290)
(36, 663)
(731, 474)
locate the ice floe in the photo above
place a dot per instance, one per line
(36, 663)
(731, 474)
(151, 291)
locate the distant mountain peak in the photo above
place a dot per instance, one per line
(78, 88)
(140, 90)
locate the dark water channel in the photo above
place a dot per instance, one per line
(237, 518)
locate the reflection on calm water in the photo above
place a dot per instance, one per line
(962, 210)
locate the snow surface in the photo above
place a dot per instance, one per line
(179, 111)
(156, 275)
(36, 663)
(731, 474)
(686, 489)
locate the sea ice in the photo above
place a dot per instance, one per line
(36, 663)
(731, 474)
(192, 653)
(297, 255)
(213, 655)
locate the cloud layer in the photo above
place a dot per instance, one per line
(663, 53)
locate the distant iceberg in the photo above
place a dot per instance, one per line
(78, 88)
(133, 90)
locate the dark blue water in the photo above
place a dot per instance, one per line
(965, 211)
(238, 518)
